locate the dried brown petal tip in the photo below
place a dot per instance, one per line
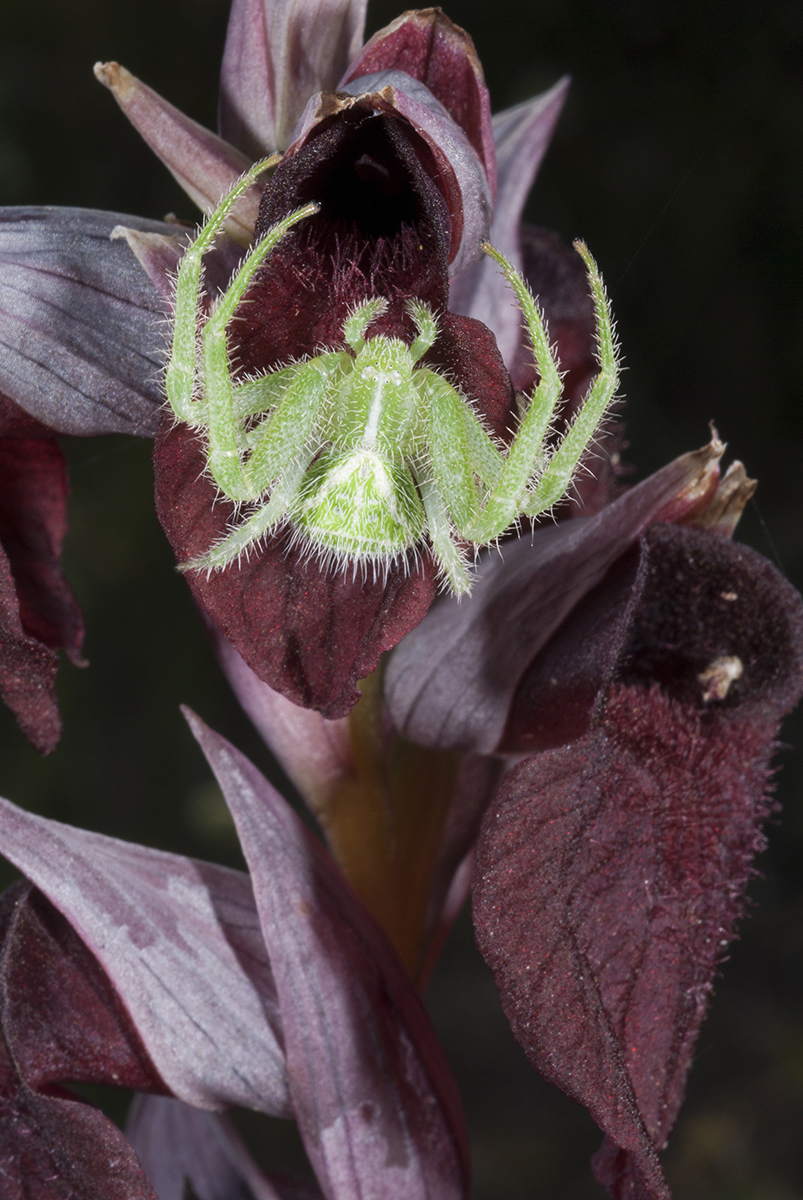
(723, 513)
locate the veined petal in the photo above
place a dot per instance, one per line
(432, 49)
(373, 1096)
(203, 164)
(451, 682)
(180, 942)
(81, 345)
(522, 135)
(277, 55)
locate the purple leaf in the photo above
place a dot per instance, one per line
(277, 55)
(374, 1098)
(82, 345)
(61, 1019)
(452, 681)
(610, 872)
(180, 941)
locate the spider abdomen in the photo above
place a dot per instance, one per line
(359, 504)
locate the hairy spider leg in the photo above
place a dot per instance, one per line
(562, 464)
(507, 497)
(360, 319)
(254, 527)
(511, 495)
(446, 552)
(283, 451)
(180, 376)
(224, 451)
(285, 433)
(427, 325)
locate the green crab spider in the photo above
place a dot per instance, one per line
(364, 453)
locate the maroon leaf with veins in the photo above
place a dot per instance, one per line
(61, 1020)
(374, 1098)
(610, 872)
(181, 944)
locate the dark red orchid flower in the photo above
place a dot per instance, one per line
(634, 665)
(396, 143)
(627, 668)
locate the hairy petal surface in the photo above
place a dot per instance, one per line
(81, 344)
(452, 682)
(61, 1019)
(277, 55)
(374, 1098)
(610, 872)
(180, 942)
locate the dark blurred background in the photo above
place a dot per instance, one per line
(678, 159)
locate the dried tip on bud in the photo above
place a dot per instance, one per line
(116, 78)
(723, 513)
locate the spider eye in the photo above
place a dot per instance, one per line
(368, 373)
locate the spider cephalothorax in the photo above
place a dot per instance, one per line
(362, 451)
